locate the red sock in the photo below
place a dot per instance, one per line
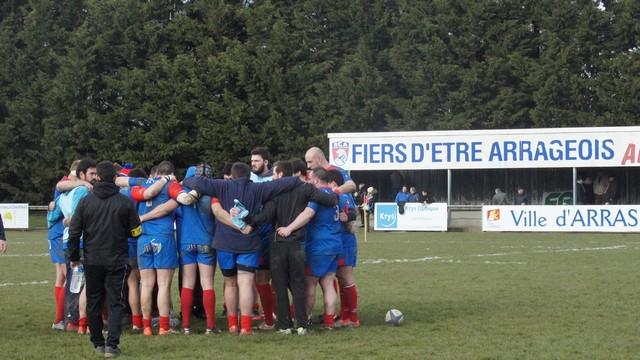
(83, 322)
(164, 323)
(136, 320)
(345, 306)
(292, 310)
(352, 295)
(58, 293)
(328, 319)
(186, 305)
(245, 323)
(266, 297)
(232, 320)
(105, 314)
(209, 303)
(146, 322)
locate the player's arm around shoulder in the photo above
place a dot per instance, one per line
(323, 198)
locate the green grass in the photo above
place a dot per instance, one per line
(529, 296)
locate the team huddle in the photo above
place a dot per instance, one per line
(273, 231)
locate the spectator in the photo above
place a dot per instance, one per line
(369, 204)
(522, 197)
(585, 191)
(600, 186)
(611, 195)
(499, 198)
(414, 195)
(426, 197)
(401, 198)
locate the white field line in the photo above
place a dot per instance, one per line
(23, 255)
(452, 259)
(42, 282)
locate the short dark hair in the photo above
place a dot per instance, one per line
(263, 152)
(154, 170)
(84, 165)
(138, 172)
(165, 168)
(299, 166)
(335, 176)
(283, 167)
(106, 171)
(321, 174)
(226, 170)
(240, 170)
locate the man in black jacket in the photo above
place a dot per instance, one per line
(105, 219)
(287, 253)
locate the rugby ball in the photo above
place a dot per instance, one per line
(394, 317)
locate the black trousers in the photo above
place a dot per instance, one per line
(287, 272)
(106, 283)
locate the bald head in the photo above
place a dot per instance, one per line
(315, 158)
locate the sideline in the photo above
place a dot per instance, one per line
(42, 282)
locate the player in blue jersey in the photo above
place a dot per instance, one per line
(324, 245)
(133, 281)
(195, 229)
(55, 234)
(66, 204)
(315, 158)
(260, 172)
(238, 253)
(347, 259)
(157, 248)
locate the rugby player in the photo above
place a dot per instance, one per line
(195, 225)
(287, 253)
(323, 246)
(347, 258)
(315, 158)
(238, 253)
(260, 172)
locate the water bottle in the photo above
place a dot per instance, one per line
(77, 280)
(242, 213)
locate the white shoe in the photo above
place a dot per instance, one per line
(58, 326)
(285, 331)
(301, 331)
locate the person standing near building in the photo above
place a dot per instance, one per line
(499, 198)
(105, 219)
(522, 197)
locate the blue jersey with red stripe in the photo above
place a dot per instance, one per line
(162, 225)
(195, 224)
(324, 230)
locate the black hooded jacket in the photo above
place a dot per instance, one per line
(105, 219)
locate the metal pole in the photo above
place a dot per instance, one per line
(448, 187)
(575, 182)
(448, 197)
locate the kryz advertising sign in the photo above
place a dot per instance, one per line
(416, 217)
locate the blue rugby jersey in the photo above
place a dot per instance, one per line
(324, 230)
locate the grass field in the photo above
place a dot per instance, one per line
(464, 296)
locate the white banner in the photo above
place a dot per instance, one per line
(487, 149)
(15, 216)
(567, 218)
(416, 217)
